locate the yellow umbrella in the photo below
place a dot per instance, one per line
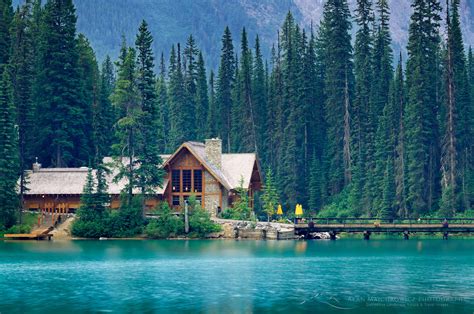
(279, 210)
(299, 210)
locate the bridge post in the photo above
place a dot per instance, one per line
(332, 235)
(406, 235)
(445, 235)
(367, 235)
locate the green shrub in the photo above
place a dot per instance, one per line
(166, 225)
(233, 213)
(200, 223)
(24, 228)
(88, 229)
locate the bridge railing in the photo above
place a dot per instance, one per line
(409, 221)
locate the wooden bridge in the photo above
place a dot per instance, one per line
(367, 226)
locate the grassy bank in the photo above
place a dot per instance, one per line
(28, 222)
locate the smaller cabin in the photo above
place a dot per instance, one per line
(194, 168)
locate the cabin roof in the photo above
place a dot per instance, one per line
(71, 181)
(234, 166)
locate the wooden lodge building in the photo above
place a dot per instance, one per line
(194, 168)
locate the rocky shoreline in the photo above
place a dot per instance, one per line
(231, 229)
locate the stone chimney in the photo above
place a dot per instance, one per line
(36, 166)
(214, 152)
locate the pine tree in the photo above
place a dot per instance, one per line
(177, 101)
(212, 114)
(315, 185)
(6, 17)
(225, 81)
(105, 114)
(292, 165)
(387, 210)
(270, 199)
(87, 208)
(62, 137)
(457, 134)
(22, 69)
(246, 120)
(259, 94)
(421, 109)
(147, 156)
(237, 111)
(363, 115)
(190, 54)
(163, 109)
(9, 162)
(398, 100)
(337, 57)
(202, 99)
(126, 98)
(89, 78)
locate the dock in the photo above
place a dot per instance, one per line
(41, 234)
(367, 226)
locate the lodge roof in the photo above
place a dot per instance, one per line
(71, 181)
(234, 166)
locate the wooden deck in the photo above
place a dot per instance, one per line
(42, 234)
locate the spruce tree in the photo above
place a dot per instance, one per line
(363, 116)
(105, 114)
(89, 80)
(315, 201)
(149, 176)
(421, 110)
(246, 124)
(177, 101)
(22, 68)
(6, 17)
(259, 94)
(398, 100)
(212, 113)
(225, 81)
(202, 99)
(291, 169)
(62, 113)
(270, 198)
(127, 99)
(337, 57)
(190, 55)
(9, 162)
(163, 109)
(455, 157)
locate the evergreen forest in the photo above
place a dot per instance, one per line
(344, 126)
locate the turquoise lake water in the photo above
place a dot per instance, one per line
(343, 276)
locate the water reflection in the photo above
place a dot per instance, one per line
(226, 276)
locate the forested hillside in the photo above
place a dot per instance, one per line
(344, 132)
(171, 21)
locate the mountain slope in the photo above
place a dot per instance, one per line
(171, 21)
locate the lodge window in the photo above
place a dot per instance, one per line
(187, 181)
(176, 181)
(197, 177)
(176, 200)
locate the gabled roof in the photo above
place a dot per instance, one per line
(234, 166)
(55, 181)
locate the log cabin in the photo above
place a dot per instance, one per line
(194, 168)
